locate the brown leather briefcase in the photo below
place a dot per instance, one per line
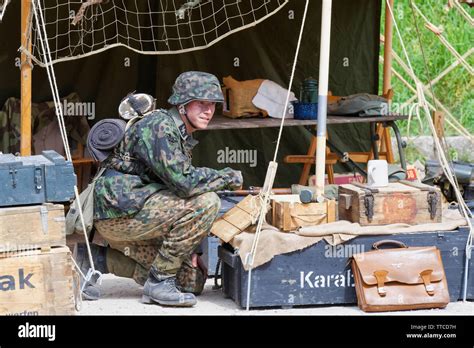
(399, 279)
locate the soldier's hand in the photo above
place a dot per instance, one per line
(236, 180)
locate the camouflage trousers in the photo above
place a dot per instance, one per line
(163, 235)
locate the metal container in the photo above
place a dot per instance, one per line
(35, 179)
(309, 91)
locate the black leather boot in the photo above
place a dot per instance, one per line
(161, 288)
(91, 290)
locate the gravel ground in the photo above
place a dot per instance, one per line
(122, 296)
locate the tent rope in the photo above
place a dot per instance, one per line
(451, 120)
(439, 33)
(446, 167)
(440, 152)
(43, 38)
(463, 12)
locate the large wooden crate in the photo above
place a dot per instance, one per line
(36, 283)
(401, 202)
(288, 213)
(321, 274)
(32, 227)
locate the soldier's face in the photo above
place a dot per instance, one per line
(200, 113)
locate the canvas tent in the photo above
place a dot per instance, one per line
(264, 51)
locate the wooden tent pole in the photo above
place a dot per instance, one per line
(26, 67)
(323, 97)
(387, 74)
(387, 54)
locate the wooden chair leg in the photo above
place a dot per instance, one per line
(384, 144)
(388, 145)
(307, 166)
(329, 168)
(330, 172)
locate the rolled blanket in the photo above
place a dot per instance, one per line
(104, 136)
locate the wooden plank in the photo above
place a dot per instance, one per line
(307, 159)
(360, 157)
(388, 146)
(307, 165)
(32, 227)
(222, 122)
(331, 210)
(25, 73)
(236, 219)
(387, 59)
(36, 283)
(224, 230)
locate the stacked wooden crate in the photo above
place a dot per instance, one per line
(36, 274)
(289, 213)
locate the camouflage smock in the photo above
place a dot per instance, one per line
(155, 154)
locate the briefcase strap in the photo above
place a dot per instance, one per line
(381, 276)
(426, 276)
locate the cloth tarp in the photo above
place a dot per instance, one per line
(273, 242)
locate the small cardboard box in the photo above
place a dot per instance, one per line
(32, 227)
(36, 283)
(288, 213)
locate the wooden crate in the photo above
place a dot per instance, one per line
(36, 283)
(402, 202)
(288, 213)
(321, 274)
(32, 227)
(236, 219)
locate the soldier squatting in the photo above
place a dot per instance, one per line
(152, 203)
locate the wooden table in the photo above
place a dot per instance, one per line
(221, 122)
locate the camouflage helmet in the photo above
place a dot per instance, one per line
(196, 85)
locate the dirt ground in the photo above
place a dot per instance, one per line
(122, 296)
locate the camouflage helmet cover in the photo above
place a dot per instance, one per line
(196, 85)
